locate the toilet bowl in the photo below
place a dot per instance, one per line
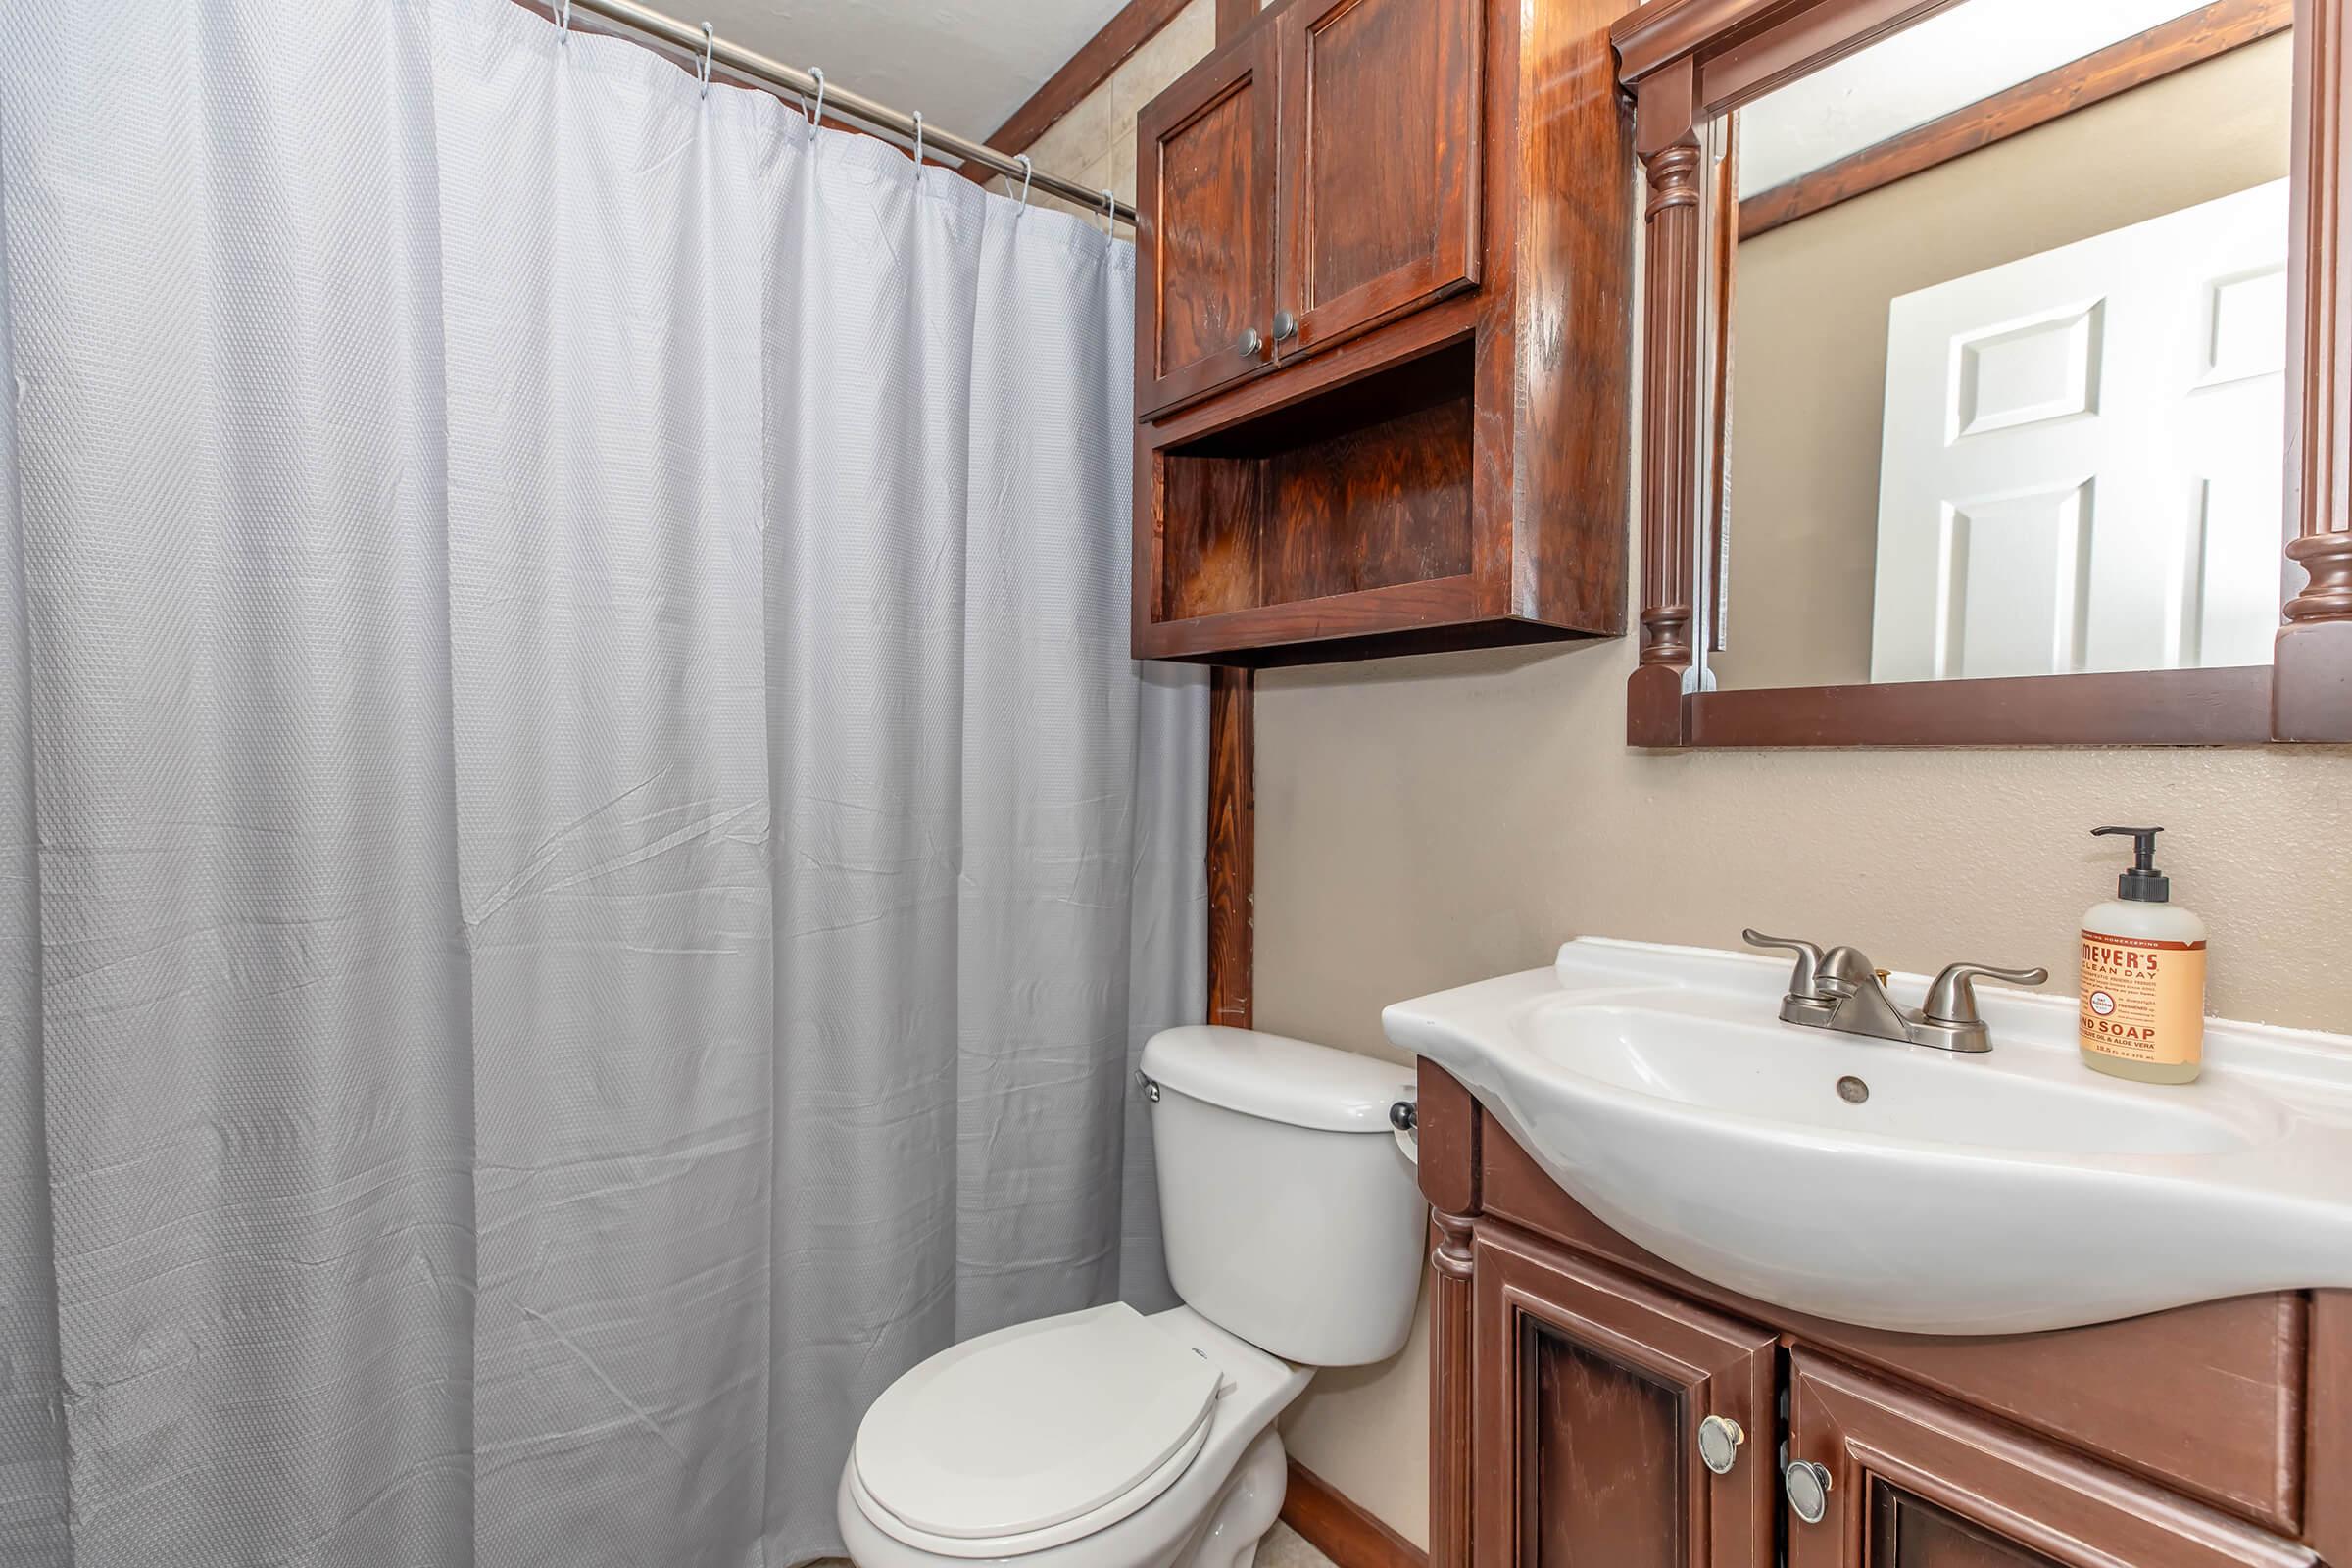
(1106, 1438)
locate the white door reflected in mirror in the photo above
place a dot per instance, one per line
(2080, 465)
(2007, 340)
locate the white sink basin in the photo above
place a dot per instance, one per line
(1991, 1193)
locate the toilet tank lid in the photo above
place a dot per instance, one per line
(1278, 1078)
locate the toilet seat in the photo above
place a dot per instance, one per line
(1034, 1435)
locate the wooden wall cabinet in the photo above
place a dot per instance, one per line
(1382, 385)
(1572, 1374)
(1207, 150)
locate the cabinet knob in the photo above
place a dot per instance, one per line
(1808, 1488)
(1249, 343)
(1286, 327)
(1719, 1439)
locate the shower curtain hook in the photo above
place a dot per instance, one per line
(564, 23)
(1110, 212)
(702, 72)
(919, 147)
(816, 115)
(1028, 173)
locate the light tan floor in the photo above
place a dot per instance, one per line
(1283, 1547)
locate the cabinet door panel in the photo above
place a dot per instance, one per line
(1379, 136)
(1204, 241)
(1910, 1531)
(1917, 1484)
(1590, 1391)
(1611, 1467)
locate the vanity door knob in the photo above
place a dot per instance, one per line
(1286, 327)
(1808, 1488)
(1249, 343)
(1719, 1439)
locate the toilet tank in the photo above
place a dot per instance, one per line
(1289, 1208)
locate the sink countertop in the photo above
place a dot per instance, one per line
(2005, 1192)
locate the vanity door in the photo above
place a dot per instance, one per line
(1616, 1427)
(1879, 1476)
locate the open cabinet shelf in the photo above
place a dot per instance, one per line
(1384, 385)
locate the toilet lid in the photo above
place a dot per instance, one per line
(1034, 1424)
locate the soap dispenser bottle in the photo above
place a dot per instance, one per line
(2144, 976)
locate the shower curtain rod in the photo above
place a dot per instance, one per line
(738, 61)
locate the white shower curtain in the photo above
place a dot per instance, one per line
(582, 863)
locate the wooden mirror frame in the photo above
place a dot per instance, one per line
(1688, 61)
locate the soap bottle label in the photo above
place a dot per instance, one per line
(2143, 999)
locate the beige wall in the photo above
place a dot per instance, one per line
(1094, 143)
(1809, 327)
(1425, 823)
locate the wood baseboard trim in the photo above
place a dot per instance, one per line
(1342, 1530)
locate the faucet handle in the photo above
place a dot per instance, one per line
(1952, 999)
(1804, 981)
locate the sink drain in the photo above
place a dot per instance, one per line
(1853, 1091)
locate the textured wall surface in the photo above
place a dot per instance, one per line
(1425, 823)
(1094, 142)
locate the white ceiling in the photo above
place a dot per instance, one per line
(966, 63)
(1947, 61)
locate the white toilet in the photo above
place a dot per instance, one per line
(1105, 1439)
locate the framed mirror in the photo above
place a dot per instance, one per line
(1994, 372)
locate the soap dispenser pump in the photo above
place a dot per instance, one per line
(2143, 975)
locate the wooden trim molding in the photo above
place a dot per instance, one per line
(1687, 62)
(2185, 41)
(1343, 1531)
(1235, 18)
(1449, 1179)
(2126, 707)
(1134, 26)
(2328, 1452)
(1232, 843)
(1666, 140)
(2310, 696)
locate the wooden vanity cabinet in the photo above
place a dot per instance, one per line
(1600, 1389)
(1571, 1373)
(1383, 332)
(1917, 1484)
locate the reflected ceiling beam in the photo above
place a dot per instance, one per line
(2187, 40)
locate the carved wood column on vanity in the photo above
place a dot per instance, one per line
(1448, 1152)
(2311, 697)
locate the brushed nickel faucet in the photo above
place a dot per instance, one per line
(1839, 988)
